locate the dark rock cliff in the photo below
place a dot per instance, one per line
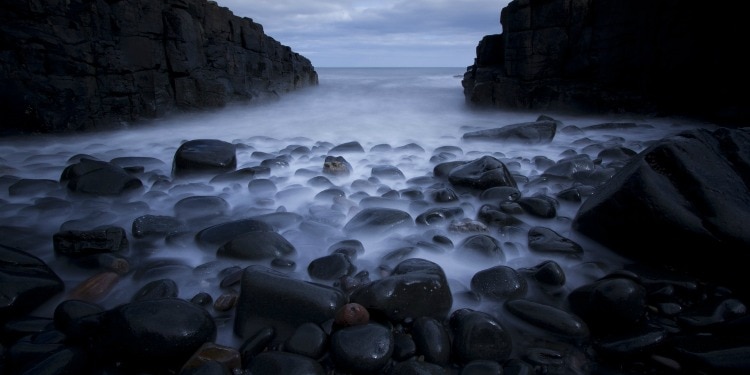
(90, 64)
(650, 56)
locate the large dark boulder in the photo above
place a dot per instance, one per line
(611, 55)
(683, 202)
(101, 178)
(26, 282)
(81, 65)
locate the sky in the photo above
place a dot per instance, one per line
(377, 33)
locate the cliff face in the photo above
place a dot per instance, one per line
(86, 64)
(654, 56)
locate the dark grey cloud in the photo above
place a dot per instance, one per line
(377, 33)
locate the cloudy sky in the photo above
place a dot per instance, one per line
(377, 33)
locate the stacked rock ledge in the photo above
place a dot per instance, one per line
(73, 66)
(612, 56)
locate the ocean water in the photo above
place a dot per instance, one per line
(375, 107)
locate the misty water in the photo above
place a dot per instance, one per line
(419, 113)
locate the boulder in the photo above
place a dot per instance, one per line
(683, 202)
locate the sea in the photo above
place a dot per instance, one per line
(410, 118)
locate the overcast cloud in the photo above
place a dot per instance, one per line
(384, 33)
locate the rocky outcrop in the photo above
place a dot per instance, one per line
(683, 202)
(82, 65)
(656, 57)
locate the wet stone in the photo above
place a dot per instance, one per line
(80, 243)
(417, 287)
(257, 245)
(479, 336)
(30, 187)
(362, 349)
(387, 172)
(262, 188)
(348, 147)
(499, 283)
(609, 304)
(530, 133)
(242, 175)
(308, 340)
(547, 273)
(377, 221)
(155, 225)
(549, 318)
(547, 241)
(637, 341)
(271, 298)
(542, 206)
(336, 166)
(351, 314)
(200, 207)
(96, 287)
(330, 267)
(204, 156)
(157, 289)
(99, 178)
(483, 173)
(500, 194)
(155, 334)
(432, 340)
(566, 167)
(439, 215)
(493, 216)
(481, 248)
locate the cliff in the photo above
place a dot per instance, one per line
(650, 56)
(91, 64)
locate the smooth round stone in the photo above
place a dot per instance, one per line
(609, 304)
(387, 172)
(352, 314)
(99, 178)
(479, 336)
(403, 347)
(481, 248)
(347, 147)
(27, 282)
(540, 206)
(495, 217)
(639, 340)
(483, 173)
(204, 156)
(262, 188)
(330, 267)
(549, 318)
(162, 288)
(547, 273)
(432, 340)
(336, 166)
(257, 245)
(271, 298)
(200, 207)
(256, 344)
(528, 133)
(308, 340)
(547, 241)
(361, 349)
(375, 221)
(155, 225)
(242, 175)
(569, 165)
(33, 187)
(219, 234)
(499, 283)
(350, 247)
(416, 287)
(439, 215)
(76, 318)
(155, 334)
(500, 194)
(444, 169)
